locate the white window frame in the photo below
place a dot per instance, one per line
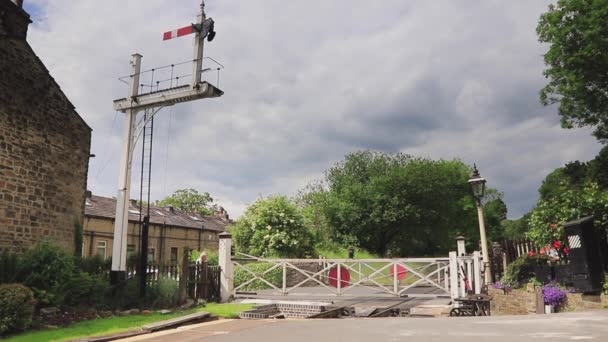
(105, 247)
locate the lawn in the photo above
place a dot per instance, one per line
(104, 326)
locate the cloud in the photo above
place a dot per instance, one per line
(308, 81)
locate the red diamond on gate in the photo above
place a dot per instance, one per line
(401, 271)
(344, 277)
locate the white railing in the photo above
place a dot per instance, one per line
(454, 276)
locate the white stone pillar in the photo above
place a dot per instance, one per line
(225, 261)
(453, 275)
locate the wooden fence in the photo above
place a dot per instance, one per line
(505, 252)
(202, 281)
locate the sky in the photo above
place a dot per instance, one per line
(307, 82)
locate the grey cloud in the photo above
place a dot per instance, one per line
(308, 81)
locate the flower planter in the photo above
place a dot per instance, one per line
(549, 309)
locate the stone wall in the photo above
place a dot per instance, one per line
(523, 301)
(580, 302)
(44, 146)
(514, 302)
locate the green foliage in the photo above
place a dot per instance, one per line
(44, 269)
(16, 308)
(515, 229)
(84, 289)
(383, 201)
(212, 257)
(78, 236)
(597, 169)
(241, 276)
(272, 226)
(189, 200)
(94, 265)
(521, 271)
(606, 285)
(495, 212)
(342, 253)
(167, 293)
(9, 267)
(546, 220)
(577, 62)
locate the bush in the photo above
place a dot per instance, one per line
(16, 307)
(95, 265)
(523, 269)
(167, 293)
(212, 256)
(46, 266)
(241, 276)
(9, 266)
(85, 289)
(126, 296)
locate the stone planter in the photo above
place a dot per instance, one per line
(549, 309)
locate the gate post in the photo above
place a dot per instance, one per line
(477, 271)
(453, 275)
(227, 269)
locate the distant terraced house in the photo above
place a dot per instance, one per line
(170, 230)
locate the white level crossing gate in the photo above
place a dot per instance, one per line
(453, 276)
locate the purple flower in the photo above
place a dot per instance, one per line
(553, 294)
(501, 286)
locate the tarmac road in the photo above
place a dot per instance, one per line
(582, 326)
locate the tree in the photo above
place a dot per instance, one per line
(515, 229)
(546, 220)
(394, 202)
(577, 62)
(598, 168)
(273, 226)
(495, 212)
(189, 200)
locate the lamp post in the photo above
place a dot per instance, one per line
(478, 185)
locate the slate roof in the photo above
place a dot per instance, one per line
(105, 208)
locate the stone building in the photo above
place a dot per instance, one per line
(170, 230)
(44, 145)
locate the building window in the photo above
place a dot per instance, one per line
(151, 254)
(210, 236)
(174, 255)
(130, 250)
(101, 248)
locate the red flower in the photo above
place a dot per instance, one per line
(531, 253)
(553, 225)
(542, 251)
(566, 250)
(556, 244)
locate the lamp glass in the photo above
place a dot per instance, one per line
(479, 187)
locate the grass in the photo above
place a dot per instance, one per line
(342, 253)
(112, 325)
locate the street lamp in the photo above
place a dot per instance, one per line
(478, 185)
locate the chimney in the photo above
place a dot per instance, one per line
(13, 19)
(222, 213)
(170, 209)
(88, 194)
(133, 202)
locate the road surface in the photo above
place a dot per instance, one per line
(585, 326)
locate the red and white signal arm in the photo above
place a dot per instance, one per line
(178, 33)
(206, 30)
